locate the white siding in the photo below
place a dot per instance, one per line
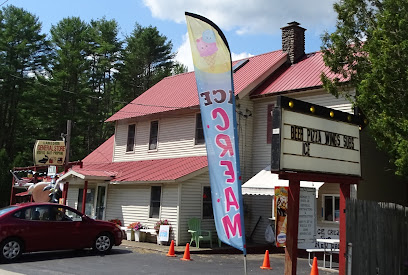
(131, 203)
(169, 205)
(175, 139)
(257, 207)
(245, 131)
(72, 196)
(191, 206)
(261, 153)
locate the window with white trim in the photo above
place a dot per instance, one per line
(207, 203)
(154, 130)
(331, 208)
(199, 132)
(155, 197)
(130, 144)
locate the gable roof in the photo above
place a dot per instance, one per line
(140, 171)
(180, 91)
(302, 75)
(102, 154)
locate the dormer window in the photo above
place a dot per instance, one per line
(199, 132)
(130, 145)
(154, 130)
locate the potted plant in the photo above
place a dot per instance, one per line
(135, 231)
(116, 221)
(157, 228)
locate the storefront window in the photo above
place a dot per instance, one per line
(331, 208)
(89, 201)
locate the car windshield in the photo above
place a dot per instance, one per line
(7, 209)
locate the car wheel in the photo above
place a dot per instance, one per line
(103, 243)
(11, 249)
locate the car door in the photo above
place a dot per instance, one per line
(37, 228)
(77, 231)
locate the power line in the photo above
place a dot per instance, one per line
(4, 3)
(121, 102)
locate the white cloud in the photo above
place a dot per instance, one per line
(184, 54)
(238, 56)
(243, 17)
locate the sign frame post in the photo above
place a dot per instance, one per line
(314, 143)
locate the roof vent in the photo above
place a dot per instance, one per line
(239, 64)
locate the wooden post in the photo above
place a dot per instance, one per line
(84, 196)
(292, 227)
(65, 193)
(344, 194)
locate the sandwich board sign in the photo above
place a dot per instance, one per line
(314, 139)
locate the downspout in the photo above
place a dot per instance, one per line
(178, 214)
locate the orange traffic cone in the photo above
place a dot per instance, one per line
(171, 250)
(266, 264)
(186, 256)
(315, 270)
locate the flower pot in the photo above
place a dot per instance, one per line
(130, 235)
(139, 236)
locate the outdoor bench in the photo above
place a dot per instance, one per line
(325, 251)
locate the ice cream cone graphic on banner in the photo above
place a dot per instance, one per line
(207, 47)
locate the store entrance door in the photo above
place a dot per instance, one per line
(100, 202)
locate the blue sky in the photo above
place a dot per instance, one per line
(251, 27)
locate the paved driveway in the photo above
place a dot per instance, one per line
(127, 259)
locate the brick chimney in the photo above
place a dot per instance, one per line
(293, 41)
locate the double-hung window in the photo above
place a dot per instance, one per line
(199, 132)
(331, 208)
(154, 130)
(130, 144)
(155, 196)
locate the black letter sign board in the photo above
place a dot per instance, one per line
(311, 138)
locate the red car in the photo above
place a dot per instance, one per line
(33, 227)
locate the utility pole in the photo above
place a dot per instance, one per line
(67, 144)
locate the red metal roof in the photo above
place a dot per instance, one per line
(145, 170)
(301, 75)
(102, 154)
(180, 91)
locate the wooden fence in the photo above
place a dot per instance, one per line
(378, 234)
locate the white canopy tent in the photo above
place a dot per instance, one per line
(264, 183)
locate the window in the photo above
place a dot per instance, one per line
(62, 214)
(199, 132)
(37, 213)
(89, 201)
(207, 203)
(130, 145)
(154, 129)
(269, 124)
(155, 202)
(331, 208)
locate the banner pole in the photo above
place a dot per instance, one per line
(245, 265)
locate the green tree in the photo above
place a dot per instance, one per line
(105, 53)
(23, 54)
(147, 59)
(179, 68)
(370, 48)
(70, 76)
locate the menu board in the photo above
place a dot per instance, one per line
(307, 218)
